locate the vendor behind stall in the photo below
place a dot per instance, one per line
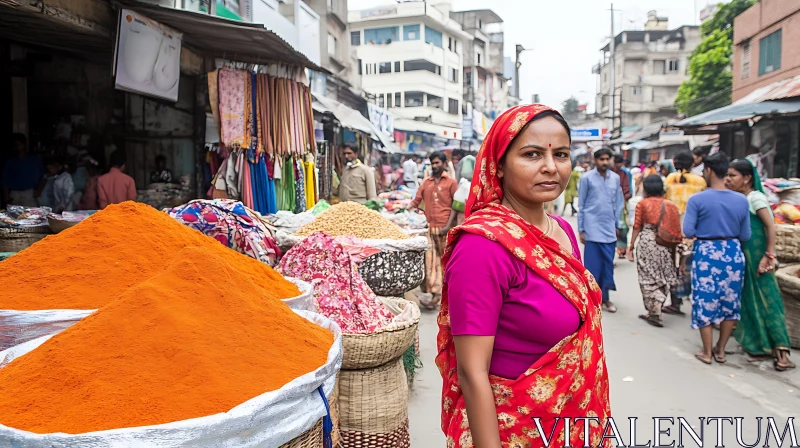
(22, 174)
(115, 186)
(357, 183)
(161, 174)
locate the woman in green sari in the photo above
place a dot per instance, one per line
(762, 328)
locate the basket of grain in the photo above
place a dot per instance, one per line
(399, 267)
(789, 283)
(363, 351)
(15, 239)
(787, 242)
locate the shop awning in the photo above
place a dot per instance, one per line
(444, 132)
(352, 119)
(742, 112)
(223, 38)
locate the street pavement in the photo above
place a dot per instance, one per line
(652, 373)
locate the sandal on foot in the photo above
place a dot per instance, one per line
(702, 358)
(789, 365)
(609, 307)
(717, 358)
(669, 309)
(651, 320)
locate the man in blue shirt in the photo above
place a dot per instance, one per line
(600, 202)
(22, 174)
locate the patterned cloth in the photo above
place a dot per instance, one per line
(232, 224)
(433, 264)
(570, 379)
(656, 271)
(340, 292)
(717, 275)
(679, 193)
(231, 106)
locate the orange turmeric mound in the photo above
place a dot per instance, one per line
(90, 264)
(143, 360)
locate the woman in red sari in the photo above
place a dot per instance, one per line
(520, 341)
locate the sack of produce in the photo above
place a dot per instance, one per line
(305, 301)
(373, 407)
(220, 365)
(392, 273)
(460, 197)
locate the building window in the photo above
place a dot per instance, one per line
(419, 64)
(450, 43)
(455, 46)
(380, 100)
(468, 78)
(746, 60)
(479, 58)
(331, 45)
(414, 99)
(480, 24)
(769, 53)
(380, 36)
(659, 68)
(385, 67)
(410, 32)
(435, 101)
(360, 70)
(636, 91)
(674, 66)
(397, 67)
(355, 38)
(397, 100)
(453, 106)
(433, 37)
(453, 75)
(388, 100)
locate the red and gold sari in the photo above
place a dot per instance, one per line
(570, 381)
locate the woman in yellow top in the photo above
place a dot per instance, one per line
(682, 184)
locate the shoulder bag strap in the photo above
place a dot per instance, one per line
(661, 217)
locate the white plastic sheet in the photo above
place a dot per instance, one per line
(266, 421)
(286, 239)
(17, 327)
(305, 301)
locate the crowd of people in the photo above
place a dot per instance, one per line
(69, 182)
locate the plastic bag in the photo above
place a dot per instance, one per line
(460, 198)
(17, 327)
(268, 420)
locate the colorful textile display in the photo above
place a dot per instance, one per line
(232, 224)
(340, 292)
(231, 106)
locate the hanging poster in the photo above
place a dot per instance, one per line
(147, 56)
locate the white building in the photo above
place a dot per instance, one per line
(411, 58)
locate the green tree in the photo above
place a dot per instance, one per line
(710, 80)
(569, 108)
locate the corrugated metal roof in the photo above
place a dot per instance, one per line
(786, 88)
(741, 112)
(224, 38)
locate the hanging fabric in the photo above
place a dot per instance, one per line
(299, 186)
(232, 106)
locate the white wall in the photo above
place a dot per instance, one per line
(266, 12)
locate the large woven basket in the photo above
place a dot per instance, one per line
(59, 225)
(309, 439)
(17, 239)
(373, 407)
(392, 273)
(790, 288)
(787, 242)
(362, 351)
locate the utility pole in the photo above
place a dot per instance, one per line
(612, 89)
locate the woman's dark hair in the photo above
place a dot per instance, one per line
(438, 155)
(604, 151)
(718, 163)
(653, 185)
(683, 162)
(744, 168)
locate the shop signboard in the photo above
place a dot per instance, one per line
(147, 56)
(381, 119)
(588, 134)
(466, 128)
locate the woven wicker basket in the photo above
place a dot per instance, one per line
(790, 288)
(59, 225)
(373, 407)
(309, 439)
(15, 240)
(363, 351)
(787, 242)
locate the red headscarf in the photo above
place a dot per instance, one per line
(569, 380)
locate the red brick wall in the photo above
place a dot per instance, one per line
(761, 20)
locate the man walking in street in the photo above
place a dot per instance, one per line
(358, 180)
(600, 204)
(115, 186)
(437, 192)
(627, 193)
(410, 172)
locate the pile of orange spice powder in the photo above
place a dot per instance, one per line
(92, 263)
(194, 340)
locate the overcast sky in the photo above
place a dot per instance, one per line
(566, 36)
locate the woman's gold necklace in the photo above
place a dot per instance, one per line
(549, 226)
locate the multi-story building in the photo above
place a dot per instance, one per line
(650, 66)
(510, 73)
(488, 90)
(766, 51)
(411, 58)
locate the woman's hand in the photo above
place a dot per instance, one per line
(766, 265)
(630, 254)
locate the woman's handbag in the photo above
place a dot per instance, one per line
(663, 236)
